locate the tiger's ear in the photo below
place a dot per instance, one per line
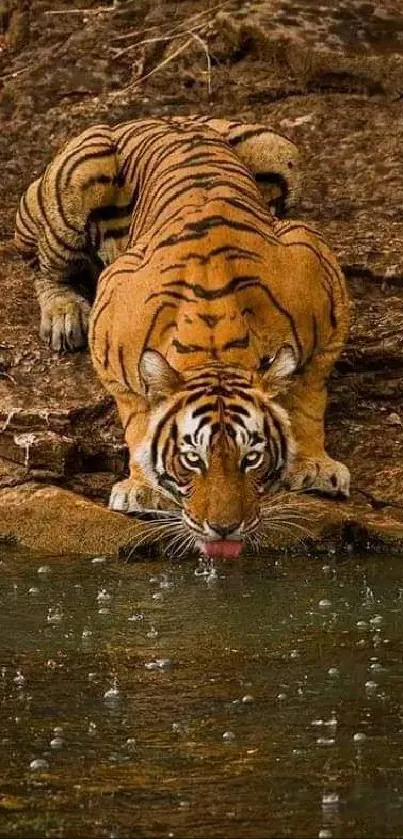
(275, 376)
(159, 378)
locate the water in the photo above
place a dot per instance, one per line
(247, 699)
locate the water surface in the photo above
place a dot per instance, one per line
(248, 699)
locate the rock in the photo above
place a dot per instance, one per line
(54, 521)
(394, 419)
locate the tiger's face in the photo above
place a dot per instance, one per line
(218, 443)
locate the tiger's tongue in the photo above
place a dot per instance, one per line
(224, 548)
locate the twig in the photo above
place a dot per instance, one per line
(205, 47)
(175, 28)
(15, 73)
(81, 11)
(155, 40)
(157, 68)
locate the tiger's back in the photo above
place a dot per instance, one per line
(214, 274)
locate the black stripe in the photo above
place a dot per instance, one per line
(197, 230)
(211, 320)
(58, 239)
(208, 407)
(188, 348)
(96, 179)
(249, 133)
(233, 285)
(117, 233)
(154, 319)
(113, 211)
(106, 351)
(203, 422)
(26, 209)
(238, 409)
(238, 343)
(159, 428)
(85, 158)
(123, 368)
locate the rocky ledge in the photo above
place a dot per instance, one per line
(341, 98)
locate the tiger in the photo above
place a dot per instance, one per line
(215, 321)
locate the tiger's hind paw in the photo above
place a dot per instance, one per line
(129, 496)
(64, 323)
(322, 474)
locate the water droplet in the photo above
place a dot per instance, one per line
(324, 604)
(19, 679)
(317, 722)
(103, 596)
(104, 611)
(325, 741)
(331, 798)
(294, 654)
(165, 582)
(359, 737)
(33, 590)
(44, 569)
(92, 727)
(113, 694)
(248, 699)
(281, 696)
(130, 743)
(376, 666)
(325, 833)
(228, 736)
(92, 676)
(55, 614)
(86, 633)
(333, 671)
(98, 560)
(158, 595)
(158, 664)
(38, 765)
(362, 626)
(56, 743)
(376, 620)
(370, 686)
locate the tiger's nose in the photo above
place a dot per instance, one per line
(223, 530)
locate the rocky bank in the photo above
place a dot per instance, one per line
(330, 75)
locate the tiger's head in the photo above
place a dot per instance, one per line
(218, 442)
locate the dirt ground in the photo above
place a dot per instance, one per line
(329, 75)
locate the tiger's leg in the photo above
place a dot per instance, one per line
(312, 468)
(56, 227)
(64, 314)
(135, 494)
(273, 159)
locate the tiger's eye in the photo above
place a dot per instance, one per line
(251, 460)
(192, 460)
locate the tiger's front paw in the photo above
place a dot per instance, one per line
(322, 474)
(64, 322)
(129, 496)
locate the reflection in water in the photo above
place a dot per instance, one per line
(243, 700)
